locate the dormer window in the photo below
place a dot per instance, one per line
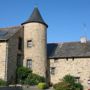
(29, 43)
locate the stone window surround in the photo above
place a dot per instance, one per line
(52, 70)
(29, 43)
(29, 63)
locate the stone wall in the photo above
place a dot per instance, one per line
(78, 67)
(3, 60)
(37, 52)
(12, 56)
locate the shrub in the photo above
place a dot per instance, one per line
(42, 85)
(34, 79)
(2, 82)
(78, 86)
(69, 79)
(62, 86)
(22, 73)
(68, 83)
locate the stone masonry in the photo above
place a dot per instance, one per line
(37, 33)
(78, 67)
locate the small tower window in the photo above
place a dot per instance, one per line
(29, 63)
(29, 43)
(52, 70)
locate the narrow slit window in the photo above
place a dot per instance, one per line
(20, 43)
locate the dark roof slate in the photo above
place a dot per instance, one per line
(10, 32)
(70, 49)
(35, 17)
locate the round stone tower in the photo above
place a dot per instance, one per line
(35, 43)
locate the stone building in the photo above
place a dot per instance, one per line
(27, 45)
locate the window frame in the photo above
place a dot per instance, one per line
(52, 70)
(29, 43)
(29, 63)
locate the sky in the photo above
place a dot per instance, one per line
(68, 20)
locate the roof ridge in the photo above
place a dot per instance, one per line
(66, 42)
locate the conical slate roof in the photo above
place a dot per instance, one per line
(35, 17)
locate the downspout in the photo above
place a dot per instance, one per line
(6, 61)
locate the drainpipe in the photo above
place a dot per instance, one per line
(6, 61)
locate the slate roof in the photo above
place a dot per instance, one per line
(10, 31)
(35, 17)
(68, 50)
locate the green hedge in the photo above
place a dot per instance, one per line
(42, 85)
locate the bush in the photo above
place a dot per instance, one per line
(68, 83)
(69, 79)
(42, 85)
(22, 73)
(34, 79)
(2, 82)
(78, 86)
(62, 86)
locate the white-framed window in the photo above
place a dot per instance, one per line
(29, 63)
(52, 70)
(29, 43)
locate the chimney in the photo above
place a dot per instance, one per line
(83, 40)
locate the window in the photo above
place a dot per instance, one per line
(52, 70)
(67, 59)
(73, 58)
(55, 60)
(77, 79)
(29, 43)
(29, 63)
(20, 43)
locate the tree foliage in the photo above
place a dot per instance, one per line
(34, 79)
(22, 73)
(25, 76)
